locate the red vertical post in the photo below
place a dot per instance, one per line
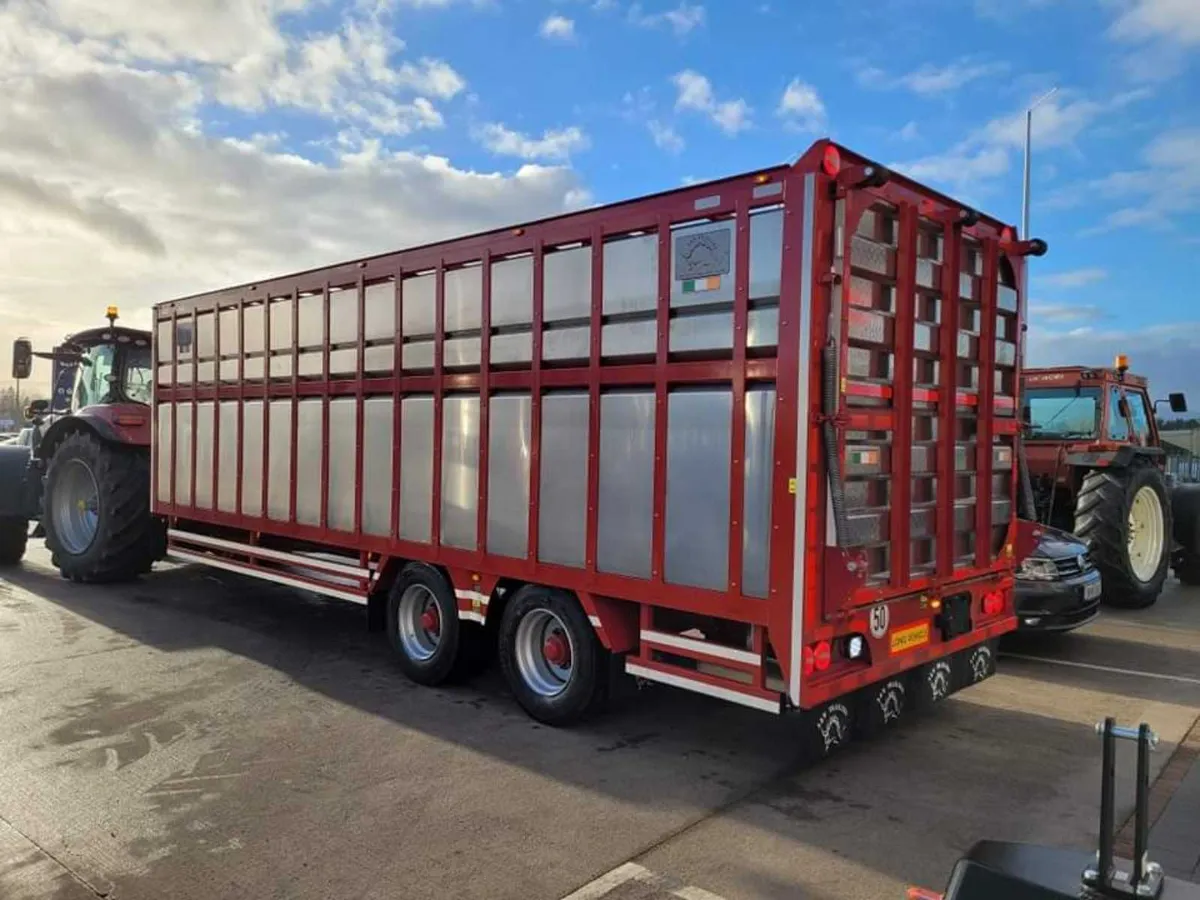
(593, 379)
(195, 401)
(737, 435)
(325, 302)
(908, 235)
(947, 421)
(987, 407)
(215, 491)
(485, 393)
(359, 399)
(535, 389)
(397, 398)
(661, 354)
(295, 404)
(175, 397)
(266, 412)
(241, 403)
(439, 336)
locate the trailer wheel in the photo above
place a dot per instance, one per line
(1185, 509)
(97, 511)
(14, 535)
(1125, 516)
(1187, 569)
(550, 656)
(423, 626)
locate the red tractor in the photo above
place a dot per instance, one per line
(1096, 467)
(86, 475)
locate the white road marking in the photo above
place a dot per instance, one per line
(1181, 679)
(609, 881)
(666, 888)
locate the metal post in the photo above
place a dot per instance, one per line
(1141, 821)
(1108, 778)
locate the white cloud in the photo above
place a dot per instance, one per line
(682, 19)
(557, 28)
(910, 132)
(1074, 278)
(1060, 313)
(695, 93)
(962, 168)
(1172, 20)
(1163, 353)
(665, 137)
(801, 106)
(930, 80)
(554, 144)
(115, 185)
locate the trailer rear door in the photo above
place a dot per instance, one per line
(923, 310)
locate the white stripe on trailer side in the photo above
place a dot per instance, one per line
(242, 569)
(703, 687)
(802, 428)
(685, 643)
(473, 596)
(469, 615)
(595, 620)
(307, 562)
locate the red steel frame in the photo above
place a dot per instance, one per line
(614, 600)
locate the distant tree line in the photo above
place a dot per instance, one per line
(1178, 424)
(9, 409)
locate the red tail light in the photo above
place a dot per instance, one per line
(809, 664)
(822, 655)
(831, 161)
(993, 603)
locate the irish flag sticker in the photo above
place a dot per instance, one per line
(698, 285)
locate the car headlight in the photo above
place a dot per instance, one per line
(1035, 569)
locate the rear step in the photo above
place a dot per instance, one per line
(705, 667)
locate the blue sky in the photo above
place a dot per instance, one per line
(466, 113)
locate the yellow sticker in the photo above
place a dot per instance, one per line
(909, 638)
(791, 485)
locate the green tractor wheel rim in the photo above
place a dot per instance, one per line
(1146, 533)
(76, 508)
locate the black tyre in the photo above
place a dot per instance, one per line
(423, 625)
(1187, 568)
(14, 535)
(1124, 515)
(96, 511)
(550, 656)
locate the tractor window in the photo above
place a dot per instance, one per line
(1118, 425)
(92, 384)
(1137, 410)
(135, 381)
(1062, 413)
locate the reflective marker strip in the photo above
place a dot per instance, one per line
(703, 687)
(218, 563)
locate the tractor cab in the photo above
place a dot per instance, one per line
(110, 391)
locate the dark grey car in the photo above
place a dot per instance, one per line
(1058, 587)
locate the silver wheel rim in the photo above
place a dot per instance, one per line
(76, 508)
(539, 633)
(418, 608)
(1146, 533)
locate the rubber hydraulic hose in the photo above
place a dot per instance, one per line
(833, 464)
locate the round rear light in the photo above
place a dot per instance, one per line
(1008, 236)
(822, 656)
(808, 661)
(831, 161)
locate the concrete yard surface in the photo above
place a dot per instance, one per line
(198, 735)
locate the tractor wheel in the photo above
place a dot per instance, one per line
(14, 534)
(97, 511)
(1125, 516)
(1185, 508)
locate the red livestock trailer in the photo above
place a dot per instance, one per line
(754, 437)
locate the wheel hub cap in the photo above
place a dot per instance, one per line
(556, 650)
(430, 620)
